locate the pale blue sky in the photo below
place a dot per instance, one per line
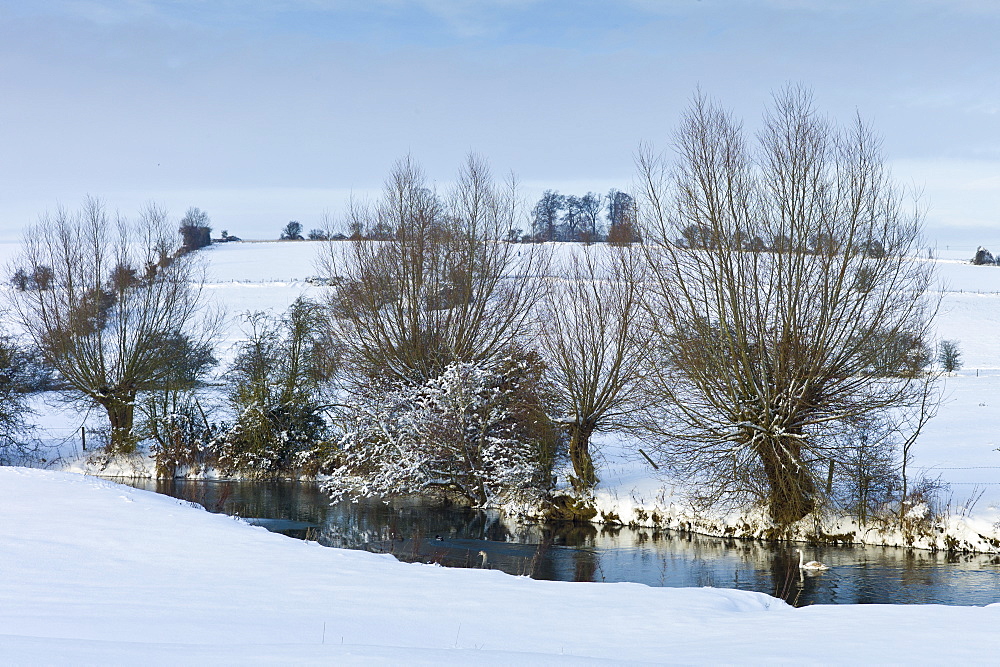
(263, 112)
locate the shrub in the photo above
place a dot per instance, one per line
(983, 257)
(475, 432)
(275, 384)
(183, 438)
(16, 374)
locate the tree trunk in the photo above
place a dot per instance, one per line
(579, 453)
(792, 493)
(121, 415)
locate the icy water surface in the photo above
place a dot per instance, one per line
(460, 537)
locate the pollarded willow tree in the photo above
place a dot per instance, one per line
(429, 280)
(589, 319)
(786, 310)
(115, 315)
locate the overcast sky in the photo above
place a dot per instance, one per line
(261, 112)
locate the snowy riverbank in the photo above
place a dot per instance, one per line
(959, 448)
(98, 573)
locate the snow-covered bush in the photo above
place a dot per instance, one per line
(258, 444)
(475, 432)
(268, 441)
(181, 437)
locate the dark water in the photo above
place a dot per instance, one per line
(458, 536)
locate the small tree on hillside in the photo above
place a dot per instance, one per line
(195, 230)
(983, 257)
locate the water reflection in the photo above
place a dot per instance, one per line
(457, 536)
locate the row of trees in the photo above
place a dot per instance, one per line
(448, 358)
(558, 217)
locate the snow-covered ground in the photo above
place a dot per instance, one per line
(92, 572)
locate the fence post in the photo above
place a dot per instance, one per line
(83, 437)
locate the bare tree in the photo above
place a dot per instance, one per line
(572, 218)
(292, 231)
(622, 222)
(428, 281)
(545, 215)
(621, 206)
(116, 300)
(768, 358)
(589, 318)
(591, 205)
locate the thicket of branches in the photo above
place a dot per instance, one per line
(439, 284)
(275, 390)
(477, 432)
(20, 373)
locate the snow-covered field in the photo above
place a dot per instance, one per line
(92, 572)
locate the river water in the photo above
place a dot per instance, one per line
(417, 530)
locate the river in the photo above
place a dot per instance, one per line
(418, 530)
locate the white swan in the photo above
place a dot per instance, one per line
(811, 565)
